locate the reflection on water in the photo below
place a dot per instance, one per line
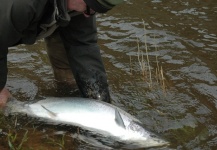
(186, 39)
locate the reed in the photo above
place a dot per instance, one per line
(160, 73)
(147, 56)
(153, 77)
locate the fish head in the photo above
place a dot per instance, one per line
(142, 137)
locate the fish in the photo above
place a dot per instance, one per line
(89, 114)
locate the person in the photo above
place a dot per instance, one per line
(69, 29)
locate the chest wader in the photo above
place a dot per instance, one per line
(61, 69)
(73, 51)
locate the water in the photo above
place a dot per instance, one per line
(180, 34)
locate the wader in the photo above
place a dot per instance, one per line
(75, 56)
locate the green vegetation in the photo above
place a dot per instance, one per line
(13, 140)
(24, 133)
(57, 142)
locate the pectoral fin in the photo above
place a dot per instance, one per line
(118, 119)
(50, 113)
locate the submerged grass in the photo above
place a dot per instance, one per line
(57, 142)
(13, 142)
(16, 134)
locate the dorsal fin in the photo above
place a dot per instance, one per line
(51, 114)
(118, 119)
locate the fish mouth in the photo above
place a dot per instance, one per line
(150, 142)
(146, 144)
(155, 142)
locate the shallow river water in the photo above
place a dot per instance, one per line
(173, 93)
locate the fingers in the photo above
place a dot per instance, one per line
(4, 96)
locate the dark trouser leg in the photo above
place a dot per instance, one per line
(59, 62)
(80, 40)
(89, 72)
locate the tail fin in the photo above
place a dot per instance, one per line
(13, 106)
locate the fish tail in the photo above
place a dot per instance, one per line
(13, 106)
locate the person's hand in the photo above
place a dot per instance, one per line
(4, 96)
